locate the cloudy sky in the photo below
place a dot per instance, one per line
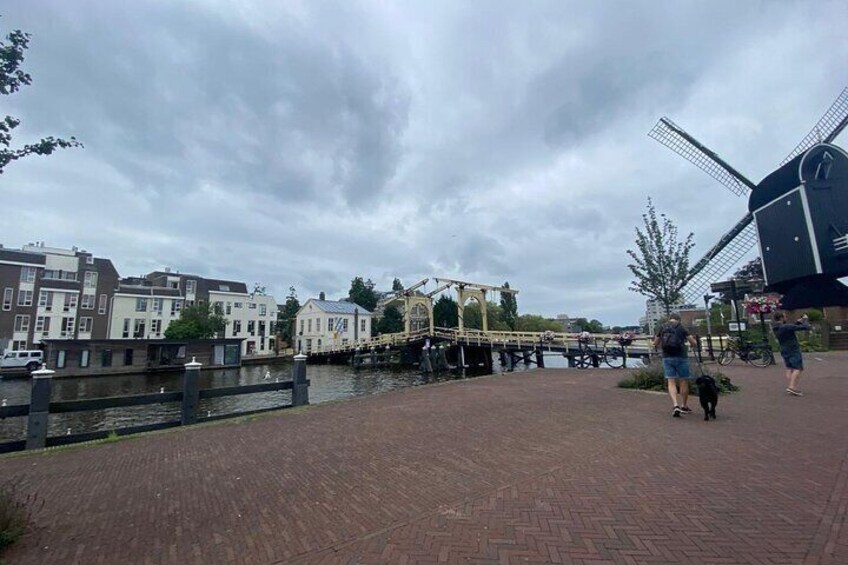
(305, 143)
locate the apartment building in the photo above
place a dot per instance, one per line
(324, 323)
(53, 293)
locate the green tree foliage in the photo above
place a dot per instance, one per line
(200, 321)
(396, 284)
(494, 315)
(661, 262)
(12, 78)
(391, 322)
(286, 316)
(444, 312)
(534, 323)
(509, 308)
(362, 293)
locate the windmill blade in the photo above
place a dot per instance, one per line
(828, 127)
(675, 138)
(720, 259)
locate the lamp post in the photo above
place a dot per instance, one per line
(707, 298)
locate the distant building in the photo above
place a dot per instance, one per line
(53, 293)
(655, 311)
(323, 323)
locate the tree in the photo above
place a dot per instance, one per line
(661, 262)
(535, 323)
(444, 312)
(12, 78)
(396, 284)
(197, 322)
(286, 316)
(509, 307)
(391, 322)
(362, 293)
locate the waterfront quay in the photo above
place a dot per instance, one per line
(543, 466)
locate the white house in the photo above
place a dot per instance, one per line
(250, 316)
(323, 323)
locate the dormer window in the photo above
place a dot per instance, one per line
(823, 168)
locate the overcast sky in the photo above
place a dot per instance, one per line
(305, 143)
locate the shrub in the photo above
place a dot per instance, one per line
(16, 510)
(651, 377)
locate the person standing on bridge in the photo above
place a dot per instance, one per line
(673, 337)
(790, 349)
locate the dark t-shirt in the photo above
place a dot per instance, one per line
(785, 334)
(682, 334)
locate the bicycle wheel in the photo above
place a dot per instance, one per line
(760, 357)
(614, 357)
(726, 356)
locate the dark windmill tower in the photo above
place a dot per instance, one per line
(801, 213)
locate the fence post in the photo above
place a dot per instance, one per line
(191, 392)
(300, 388)
(39, 408)
(540, 356)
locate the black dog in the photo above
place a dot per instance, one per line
(708, 395)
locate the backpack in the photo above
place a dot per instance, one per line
(671, 339)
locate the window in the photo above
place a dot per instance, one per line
(229, 308)
(317, 324)
(176, 306)
(126, 332)
(344, 325)
(128, 356)
(60, 358)
(67, 327)
(89, 260)
(329, 324)
(85, 356)
(101, 308)
(87, 302)
(42, 324)
(262, 329)
(22, 323)
(70, 302)
(251, 327)
(24, 298)
(141, 305)
(309, 325)
(106, 358)
(301, 326)
(52, 274)
(252, 306)
(361, 325)
(174, 284)
(263, 310)
(86, 323)
(19, 345)
(191, 287)
(191, 303)
(156, 327)
(157, 305)
(8, 294)
(238, 304)
(90, 280)
(138, 328)
(236, 327)
(27, 274)
(224, 287)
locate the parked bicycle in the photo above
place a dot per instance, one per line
(612, 354)
(757, 354)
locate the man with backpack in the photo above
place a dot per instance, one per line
(673, 337)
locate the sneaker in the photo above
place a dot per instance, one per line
(794, 392)
(685, 409)
(676, 413)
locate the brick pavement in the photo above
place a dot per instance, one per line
(552, 466)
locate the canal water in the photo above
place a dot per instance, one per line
(328, 382)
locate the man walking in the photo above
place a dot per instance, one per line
(673, 337)
(790, 349)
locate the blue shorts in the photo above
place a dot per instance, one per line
(676, 367)
(793, 360)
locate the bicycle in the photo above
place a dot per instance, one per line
(757, 354)
(613, 356)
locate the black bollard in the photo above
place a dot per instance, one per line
(39, 408)
(300, 388)
(425, 365)
(540, 358)
(191, 392)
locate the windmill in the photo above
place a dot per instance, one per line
(743, 236)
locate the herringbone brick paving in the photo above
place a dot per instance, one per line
(551, 466)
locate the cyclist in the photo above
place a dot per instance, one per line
(673, 338)
(790, 349)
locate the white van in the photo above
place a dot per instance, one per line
(29, 360)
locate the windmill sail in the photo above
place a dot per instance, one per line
(675, 138)
(732, 247)
(828, 127)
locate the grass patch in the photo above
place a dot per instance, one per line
(16, 511)
(651, 377)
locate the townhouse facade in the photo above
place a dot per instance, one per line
(325, 323)
(53, 293)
